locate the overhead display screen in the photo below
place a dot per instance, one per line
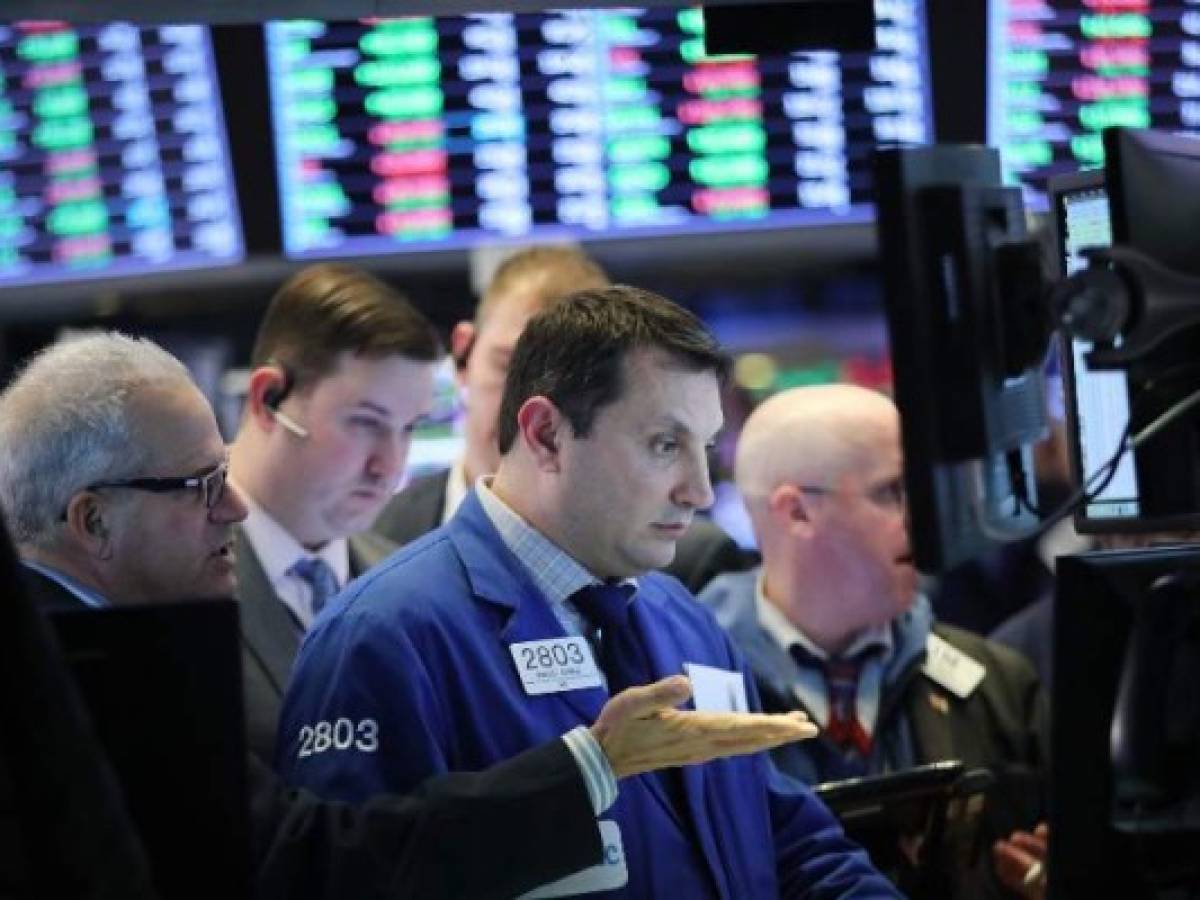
(113, 157)
(1060, 71)
(424, 133)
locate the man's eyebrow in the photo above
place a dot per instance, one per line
(679, 428)
(206, 468)
(372, 406)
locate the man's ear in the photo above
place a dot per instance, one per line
(539, 429)
(462, 342)
(264, 392)
(87, 524)
(790, 509)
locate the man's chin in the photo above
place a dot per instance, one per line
(658, 556)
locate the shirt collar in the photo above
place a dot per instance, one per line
(278, 551)
(456, 490)
(785, 633)
(555, 572)
(85, 594)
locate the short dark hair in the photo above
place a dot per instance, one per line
(327, 309)
(574, 351)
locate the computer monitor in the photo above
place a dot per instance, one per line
(1154, 194)
(1125, 772)
(162, 685)
(424, 133)
(1060, 71)
(1156, 486)
(968, 369)
(1098, 402)
(113, 153)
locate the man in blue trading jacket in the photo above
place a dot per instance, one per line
(113, 478)
(476, 642)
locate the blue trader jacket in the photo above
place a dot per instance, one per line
(409, 674)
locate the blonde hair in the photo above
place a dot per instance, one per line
(546, 273)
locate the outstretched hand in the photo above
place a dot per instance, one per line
(641, 730)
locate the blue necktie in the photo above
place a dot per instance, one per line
(320, 578)
(622, 656)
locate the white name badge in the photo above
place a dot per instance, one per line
(951, 668)
(609, 875)
(555, 664)
(716, 690)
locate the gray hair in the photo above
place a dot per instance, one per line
(65, 423)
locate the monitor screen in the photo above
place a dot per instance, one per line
(428, 133)
(113, 157)
(1154, 487)
(1097, 402)
(162, 685)
(1059, 71)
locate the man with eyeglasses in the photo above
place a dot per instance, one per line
(832, 623)
(103, 483)
(341, 371)
(112, 481)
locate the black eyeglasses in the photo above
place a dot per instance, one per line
(210, 484)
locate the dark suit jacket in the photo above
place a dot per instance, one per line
(704, 551)
(491, 834)
(271, 636)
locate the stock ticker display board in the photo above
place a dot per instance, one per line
(1060, 71)
(425, 133)
(113, 158)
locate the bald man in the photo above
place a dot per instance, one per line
(832, 622)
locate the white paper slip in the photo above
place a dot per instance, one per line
(555, 664)
(951, 668)
(716, 690)
(607, 876)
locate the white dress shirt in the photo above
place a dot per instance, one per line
(809, 687)
(278, 551)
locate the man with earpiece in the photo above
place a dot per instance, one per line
(341, 370)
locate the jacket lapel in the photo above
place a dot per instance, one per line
(497, 577)
(271, 634)
(929, 712)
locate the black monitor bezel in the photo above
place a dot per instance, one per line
(1059, 188)
(1093, 621)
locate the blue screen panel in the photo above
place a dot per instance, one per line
(428, 133)
(113, 153)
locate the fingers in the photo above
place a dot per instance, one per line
(639, 702)
(732, 733)
(1031, 844)
(1018, 870)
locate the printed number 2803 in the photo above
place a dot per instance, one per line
(340, 734)
(547, 656)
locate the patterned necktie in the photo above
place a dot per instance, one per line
(844, 729)
(320, 578)
(622, 657)
(841, 684)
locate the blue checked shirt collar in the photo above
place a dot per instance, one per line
(555, 573)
